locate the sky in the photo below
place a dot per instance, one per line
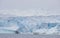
(30, 4)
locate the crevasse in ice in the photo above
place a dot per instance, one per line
(30, 24)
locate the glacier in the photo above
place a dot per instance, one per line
(32, 21)
(30, 24)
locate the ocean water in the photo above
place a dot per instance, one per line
(30, 24)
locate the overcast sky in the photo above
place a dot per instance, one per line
(30, 7)
(28, 4)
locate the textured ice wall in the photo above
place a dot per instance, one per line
(32, 24)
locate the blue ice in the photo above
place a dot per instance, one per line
(27, 24)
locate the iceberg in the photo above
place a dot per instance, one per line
(30, 24)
